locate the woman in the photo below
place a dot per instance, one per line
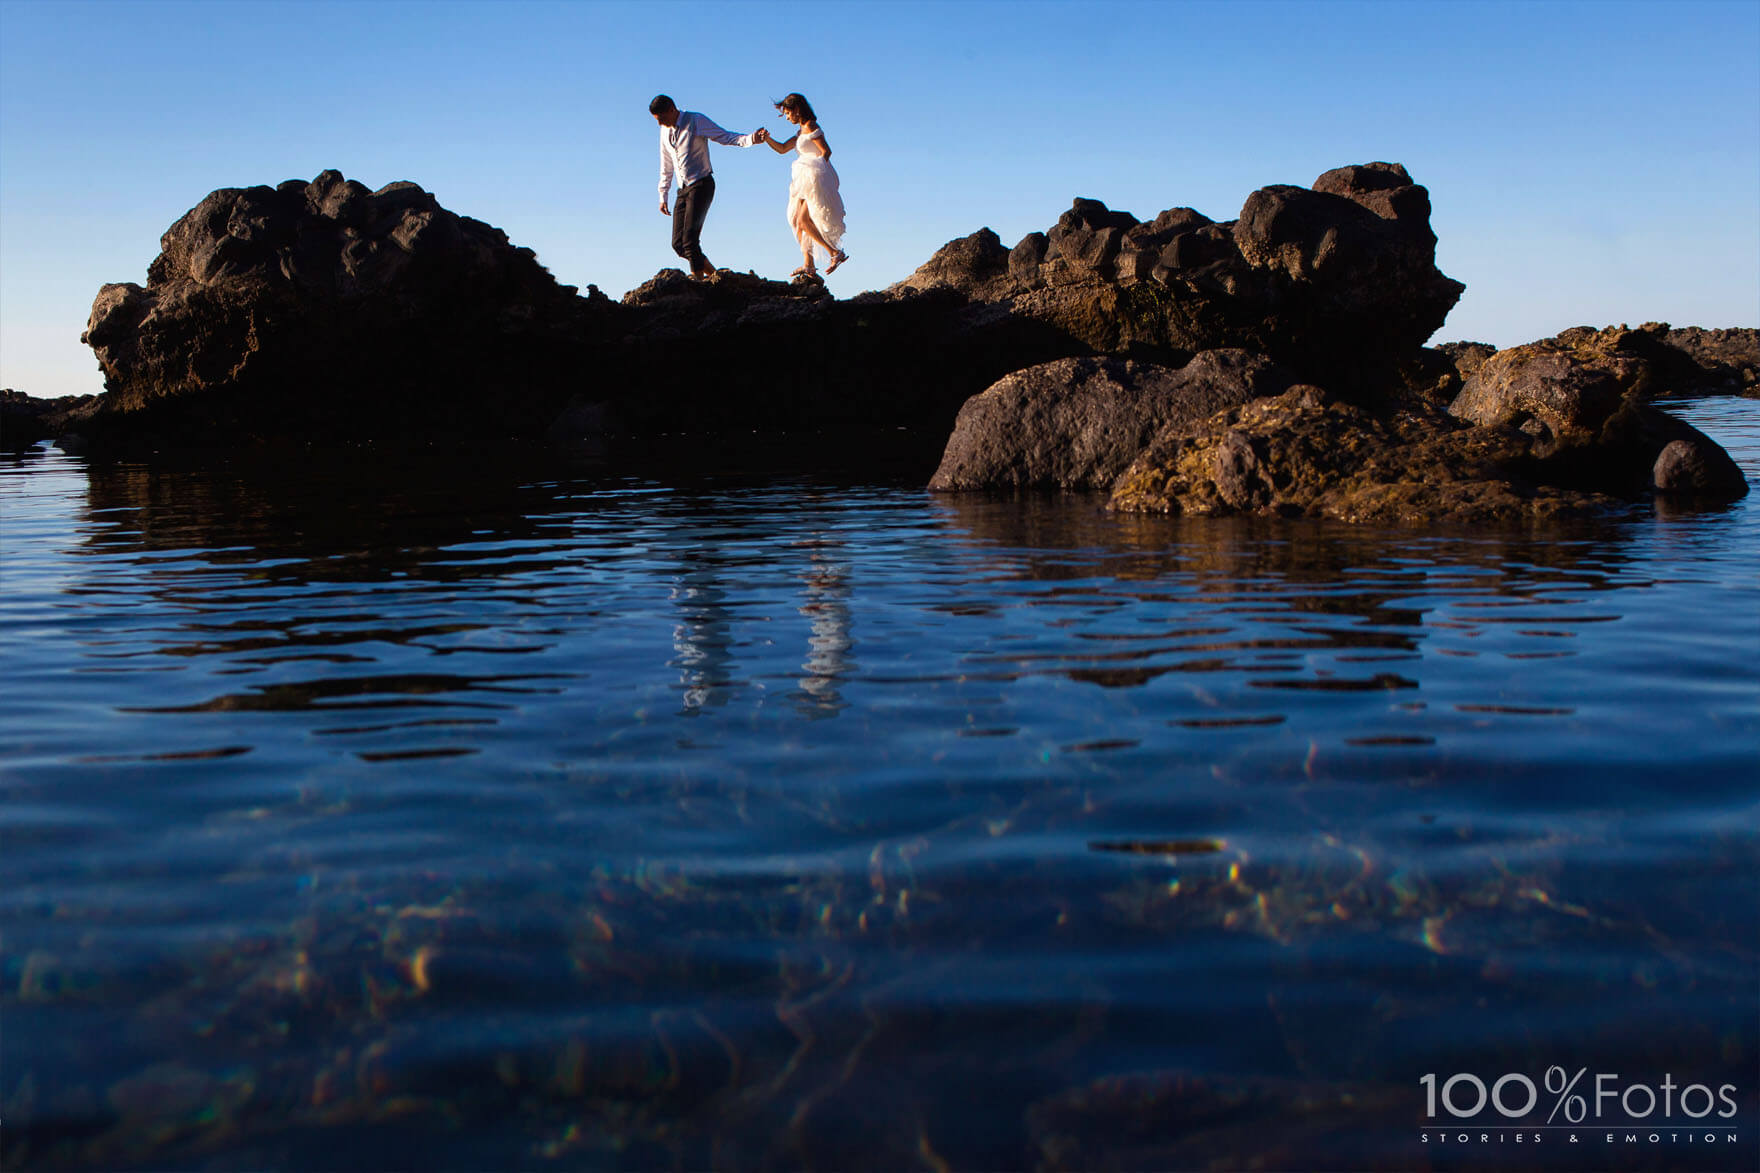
(815, 208)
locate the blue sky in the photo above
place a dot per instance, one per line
(1589, 163)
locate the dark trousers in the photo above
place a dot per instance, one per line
(687, 222)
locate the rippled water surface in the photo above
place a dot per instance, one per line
(359, 816)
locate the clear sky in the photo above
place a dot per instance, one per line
(1589, 163)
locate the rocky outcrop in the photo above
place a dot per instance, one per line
(320, 309)
(323, 307)
(324, 312)
(1728, 360)
(1338, 282)
(1553, 428)
(1666, 362)
(1465, 357)
(1304, 453)
(1581, 402)
(1078, 422)
(738, 354)
(26, 421)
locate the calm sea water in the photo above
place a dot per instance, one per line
(364, 817)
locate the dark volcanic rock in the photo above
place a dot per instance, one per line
(1089, 236)
(325, 312)
(738, 353)
(1694, 466)
(311, 309)
(1303, 453)
(1581, 402)
(1338, 282)
(1466, 357)
(26, 420)
(1553, 428)
(1078, 422)
(1729, 359)
(976, 266)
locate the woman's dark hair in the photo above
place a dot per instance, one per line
(796, 104)
(661, 104)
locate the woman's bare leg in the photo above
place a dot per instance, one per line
(811, 235)
(810, 230)
(803, 225)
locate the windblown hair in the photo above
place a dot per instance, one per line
(796, 104)
(661, 104)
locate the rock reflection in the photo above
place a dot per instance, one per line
(330, 519)
(358, 693)
(1295, 597)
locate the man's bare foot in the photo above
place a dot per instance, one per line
(837, 259)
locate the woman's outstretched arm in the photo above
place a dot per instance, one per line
(782, 148)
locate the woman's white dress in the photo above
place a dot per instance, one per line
(814, 181)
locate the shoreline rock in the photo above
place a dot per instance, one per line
(1103, 353)
(1305, 454)
(26, 421)
(1078, 422)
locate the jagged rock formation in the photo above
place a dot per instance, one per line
(1553, 427)
(26, 421)
(319, 308)
(1728, 360)
(324, 312)
(1581, 402)
(1338, 282)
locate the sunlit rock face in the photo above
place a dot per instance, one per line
(1581, 401)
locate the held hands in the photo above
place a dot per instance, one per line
(761, 135)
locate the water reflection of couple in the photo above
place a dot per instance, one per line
(703, 636)
(815, 206)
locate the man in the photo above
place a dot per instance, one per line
(684, 149)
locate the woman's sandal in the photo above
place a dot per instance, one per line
(837, 259)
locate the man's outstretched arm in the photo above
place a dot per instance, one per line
(707, 128)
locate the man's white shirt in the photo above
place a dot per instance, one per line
(684, 149)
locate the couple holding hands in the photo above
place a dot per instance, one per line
(815, 208)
